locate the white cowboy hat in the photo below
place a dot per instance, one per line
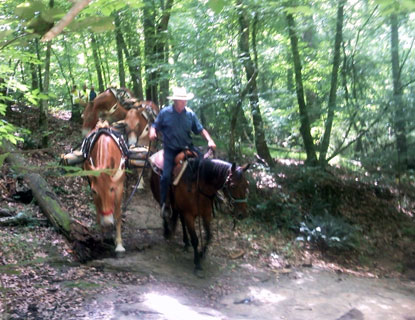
(179, 93)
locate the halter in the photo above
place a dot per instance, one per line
(226, 187)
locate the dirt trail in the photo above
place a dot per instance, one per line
(247, 291)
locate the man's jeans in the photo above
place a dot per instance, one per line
(168, 165)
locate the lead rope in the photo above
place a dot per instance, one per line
(139, 179)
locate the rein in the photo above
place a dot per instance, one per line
(138, 181)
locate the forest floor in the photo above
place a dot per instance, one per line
(251, 271)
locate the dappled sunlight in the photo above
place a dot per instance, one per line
(171, 308)
(264, 178)
(266, 296)
(290, 162)
(61, 113)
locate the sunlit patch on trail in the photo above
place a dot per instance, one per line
(266, 296)
(171, 308)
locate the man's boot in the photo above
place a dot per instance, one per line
(163, 211)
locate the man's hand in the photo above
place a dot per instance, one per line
(152, 134)
(212, 144)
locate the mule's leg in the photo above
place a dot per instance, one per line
(167, 223)
(190, 225)
(206, 225)
(185, 236)
(118, 240)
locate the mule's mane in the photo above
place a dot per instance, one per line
(210, 171)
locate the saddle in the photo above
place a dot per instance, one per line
(79, 156)
(180, 163)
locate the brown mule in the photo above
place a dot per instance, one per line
(194, 196)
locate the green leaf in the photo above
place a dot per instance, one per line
(300, 9)
(216, 5)
(5, 33)
(27, 10)
(3, 157)
(43, 96)
(78, 172)
(52, 14)
(97, 24)
(103, 24)
(408, 5)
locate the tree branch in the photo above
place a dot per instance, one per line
(363, 132)
(67, 19)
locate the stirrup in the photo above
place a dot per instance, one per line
(163, 211)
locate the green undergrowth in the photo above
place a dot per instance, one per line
(338, 211)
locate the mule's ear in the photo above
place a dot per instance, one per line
(245, 166)
(233, 167)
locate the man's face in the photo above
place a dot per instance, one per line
(180, 104)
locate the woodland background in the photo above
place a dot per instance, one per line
(319, 94)
(329, 79)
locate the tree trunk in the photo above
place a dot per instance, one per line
(134, 67)
(39, 68)
(333, 89)
(87, 63)
(104, 62)
(149, 50)
(133, 56)
(156, 50)
(68, 86)
(35, 80)
(44, 103)
(69, 63)
(87, 244)
(164, 81)
(260, 143)
(119, 41)
(161, 52)
(400, 123)
(97, 63)
(305, 128)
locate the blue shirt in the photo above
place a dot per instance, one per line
(177, 127)
(92, 95)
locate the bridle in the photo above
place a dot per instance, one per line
(226, 189)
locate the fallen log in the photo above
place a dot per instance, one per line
(21, 219)
(6, 212)
(85, 243)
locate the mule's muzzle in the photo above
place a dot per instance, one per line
(107, 219)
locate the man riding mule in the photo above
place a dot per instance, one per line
(176, 122)
(193, 194)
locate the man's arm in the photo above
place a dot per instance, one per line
(152, 133)
(206, 135)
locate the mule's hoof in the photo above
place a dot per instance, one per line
(119, 248)
(199, 272)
